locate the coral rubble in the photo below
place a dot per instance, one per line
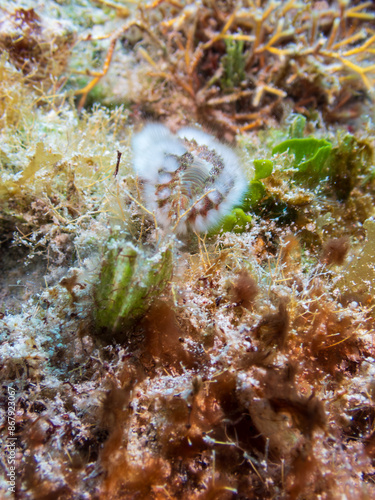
(232, 65)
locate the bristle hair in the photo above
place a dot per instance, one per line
(203, 176)
(335, 251)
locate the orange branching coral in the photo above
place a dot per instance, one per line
(236, 62)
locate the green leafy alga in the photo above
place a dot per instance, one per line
(310, 156)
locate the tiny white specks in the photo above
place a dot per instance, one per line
(190, 179)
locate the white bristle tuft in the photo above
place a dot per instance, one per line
(177, 170)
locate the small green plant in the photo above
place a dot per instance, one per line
(310, 156)
(346, 163)
(237, 222)
(256, 190)
(263, 169)
(297, 127)
(233, 63)
(128, 282)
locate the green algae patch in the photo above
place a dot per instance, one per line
(263, 169)
(297, 127)
(310, 156)
(234, 63)
(347, 163)
(256, 190)
(253, 196)
(128, 282)
(237, 222)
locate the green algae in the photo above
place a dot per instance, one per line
(348, 163)
(254, 194)
(234, 62)
(263, 169)
(128, 283)
(237, 222)
(297, 127)
(310, 156)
